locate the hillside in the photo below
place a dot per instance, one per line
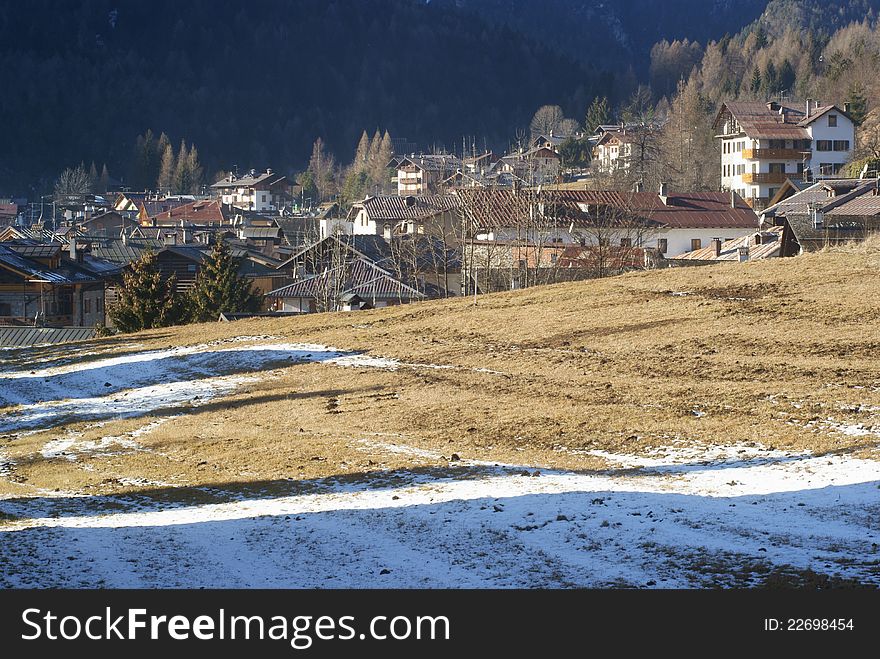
(693, 427)
(255, 84)
(616, 34)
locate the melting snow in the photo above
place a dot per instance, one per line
(665, 525)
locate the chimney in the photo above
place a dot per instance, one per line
(268, 170)
(124, 238)
(732, 199)
(716, 244)
(809, 103)
(72, 248)
(743, 254)
(846, 107)
(637, 187)
(169, 239)
(663, 193)
(386, 232)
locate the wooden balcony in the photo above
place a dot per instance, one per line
(764, 177)
(774, 154)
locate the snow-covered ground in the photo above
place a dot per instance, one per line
(672, 522)
(138, 383)
(682, 516)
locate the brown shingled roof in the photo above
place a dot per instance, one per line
(759, 121)
(490, 208)
(394, 207)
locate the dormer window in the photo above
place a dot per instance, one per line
(832, 120)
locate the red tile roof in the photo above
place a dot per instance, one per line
(197, 212)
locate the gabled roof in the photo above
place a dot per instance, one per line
(432, 162)
(429, 252)
(257, 179)
(621, 135)
(395, 208)
(769, 246)
(821, 112)
(122, 252)
(360, 277)
(67, 273)
(840, 197)
(203, 211)
(492, 208)
(765, 120)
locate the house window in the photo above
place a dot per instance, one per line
(553, 258)
(191, 267)
(5, 309)
(823, 145)
(626, 242)
(841, 145)
(264, 198)
(522, 264)
(696, 243)
(87, 305)
(800, 168)
(832, 120)
(777, 168)
(662, 245)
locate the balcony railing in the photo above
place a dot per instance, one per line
(774, 154)
(764, 177)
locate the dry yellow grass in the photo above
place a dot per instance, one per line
(776, 352)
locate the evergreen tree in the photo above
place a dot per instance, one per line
(769, 80)
(355, 186)
(104, 180)
(182, 179)
(858, 103)
(787, 75)
(755, 84)
(598, 114)
(146, 300)
(574, 153)
(219, 288)
(93, 178)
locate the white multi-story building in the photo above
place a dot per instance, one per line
(763, 144)
(260, 192)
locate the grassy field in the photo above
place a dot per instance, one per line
(781, 352)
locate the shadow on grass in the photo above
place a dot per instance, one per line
(373, 532)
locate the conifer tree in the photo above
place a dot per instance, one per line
(219, 288)
(104, 180)
(146, 300)
(182, 178)
(597, 114)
